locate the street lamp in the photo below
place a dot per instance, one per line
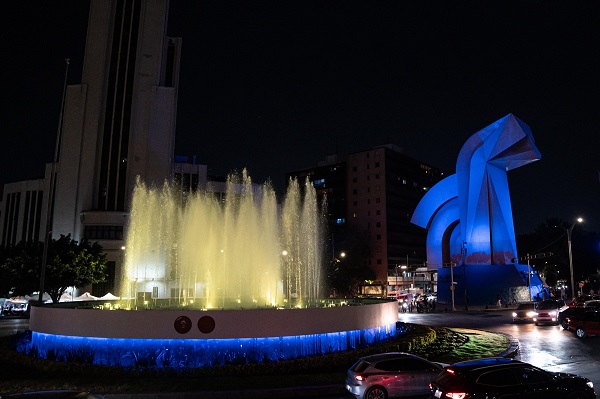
(569, 231)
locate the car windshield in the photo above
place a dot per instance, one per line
(525, 306)
(545, 305)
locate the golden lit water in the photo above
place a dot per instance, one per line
(238, 251)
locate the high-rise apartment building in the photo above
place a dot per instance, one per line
(376, 191)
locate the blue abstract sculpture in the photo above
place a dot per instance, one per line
(468, 215)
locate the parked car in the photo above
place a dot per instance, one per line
(566, 311)
(580, 301)
(391, 375)
(592, 304)
(503, 378)
(524, 312)
(584, 324)
(546, 312)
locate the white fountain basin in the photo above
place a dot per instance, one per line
(196, 338)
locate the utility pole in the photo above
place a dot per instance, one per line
(528, 258)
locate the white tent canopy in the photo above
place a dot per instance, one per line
(86, 296)
(108, 297)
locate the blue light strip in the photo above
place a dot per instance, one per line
(193, 353)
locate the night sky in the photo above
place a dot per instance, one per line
(276, 86)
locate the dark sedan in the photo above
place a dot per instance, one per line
(524, 312)
(507, 378)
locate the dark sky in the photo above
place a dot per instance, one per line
(276, 86)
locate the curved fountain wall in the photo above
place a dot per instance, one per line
(196, 338)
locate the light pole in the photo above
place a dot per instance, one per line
(50, 210)
(569, 231)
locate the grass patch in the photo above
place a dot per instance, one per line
(479, 344)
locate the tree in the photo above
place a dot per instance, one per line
(69, 263)
(19, 267)
(551, 237)
(345, 274)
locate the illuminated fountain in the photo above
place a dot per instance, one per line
(235, 280)
(205, 254)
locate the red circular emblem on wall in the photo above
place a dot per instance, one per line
(183, 324)
(206, 324)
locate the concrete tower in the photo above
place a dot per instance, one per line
(119, 123)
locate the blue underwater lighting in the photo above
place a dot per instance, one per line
(194, 353)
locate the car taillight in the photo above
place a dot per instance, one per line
(456, 395)
(359, 377)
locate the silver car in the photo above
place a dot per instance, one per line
(391, 375)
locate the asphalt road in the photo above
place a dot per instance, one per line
(12, 325)
(548, 347)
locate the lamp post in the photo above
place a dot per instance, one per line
(569, 231)
(50, 210)
(452, 286)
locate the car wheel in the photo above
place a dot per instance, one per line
(376, 393)
(580, 332)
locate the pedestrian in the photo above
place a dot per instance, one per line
(498, 301)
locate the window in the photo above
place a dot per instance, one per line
(529, 375)
(319, 183)
(103, 232)
(379, 236)
(498, 378)
(378, 212)
(378, 224)
(377, 175)
(412, 364)
(377, 200)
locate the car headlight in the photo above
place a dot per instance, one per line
(590, 384)
(553, 313)
(531, 314)
(514, 314)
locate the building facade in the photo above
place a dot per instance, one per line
(376, 191)
(119, 123)
(23, 212)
